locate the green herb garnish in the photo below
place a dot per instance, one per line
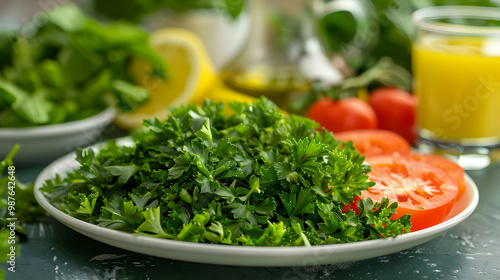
(254, 178)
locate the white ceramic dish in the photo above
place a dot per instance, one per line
(44, 144)
(251, 256)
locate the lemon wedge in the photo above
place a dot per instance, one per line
(190, 75)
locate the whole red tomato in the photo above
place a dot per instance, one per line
(342, 115)
(395, 110)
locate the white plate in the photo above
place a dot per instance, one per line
(251, 256)
(45, 143)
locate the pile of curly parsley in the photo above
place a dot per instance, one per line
(256, 178)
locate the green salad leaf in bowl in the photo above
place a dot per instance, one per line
(62, 76)
(64, 66)
(255, 178)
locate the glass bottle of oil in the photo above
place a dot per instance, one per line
(283, 54)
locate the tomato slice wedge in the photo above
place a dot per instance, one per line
(454, 170)
(425, 192)
(374, 142)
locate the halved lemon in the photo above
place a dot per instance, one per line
(190, 75)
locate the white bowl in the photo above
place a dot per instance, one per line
(43, 144)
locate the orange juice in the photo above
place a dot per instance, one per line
(457, 81)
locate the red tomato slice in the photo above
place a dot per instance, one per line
(421, 190)
(374, 142)
(454, 170)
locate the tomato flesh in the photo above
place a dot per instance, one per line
(352, 206)
(421, 190)
(454, 170)
(374, 142)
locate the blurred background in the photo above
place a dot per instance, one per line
(390, 33)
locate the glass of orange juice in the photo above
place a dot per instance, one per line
(456, 66)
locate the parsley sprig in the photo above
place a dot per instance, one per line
(255, 178)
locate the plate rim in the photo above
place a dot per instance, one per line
(242, 255)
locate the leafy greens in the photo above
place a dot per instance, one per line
(17, 206)
(256, 178)
(137, 10)
(63, 65)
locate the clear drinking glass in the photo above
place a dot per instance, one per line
(456, 64)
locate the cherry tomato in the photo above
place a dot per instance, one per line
(373, 142)
(454, 170)
(425, 192)
(395, 110)
(342, 115)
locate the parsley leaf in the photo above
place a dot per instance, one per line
(255, 178)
